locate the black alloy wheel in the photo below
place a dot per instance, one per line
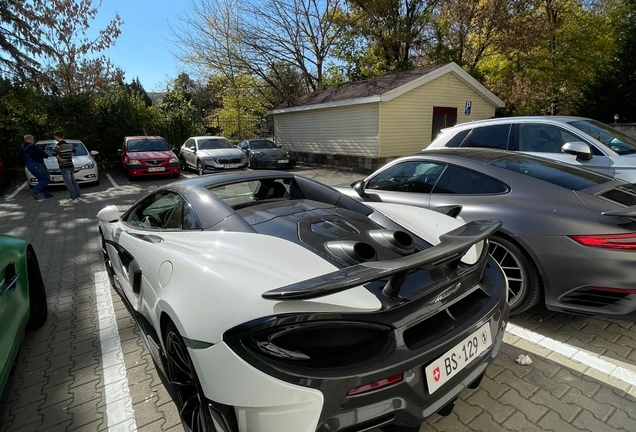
(37, 293)
(184, 385)
(524, 284)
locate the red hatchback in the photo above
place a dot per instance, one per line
(148, 155)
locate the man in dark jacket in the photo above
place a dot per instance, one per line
(64, 152)
(33, 158)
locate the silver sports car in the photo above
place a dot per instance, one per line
(568, 234)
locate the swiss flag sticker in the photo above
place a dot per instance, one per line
(436, 374)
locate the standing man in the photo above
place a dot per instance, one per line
(64, 152)
(33, 158)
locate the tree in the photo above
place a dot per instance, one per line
(539, 63)
(135, 88)
(613, 89)
(383, 36)
(74, 64)
(21, 28)
(235, 38)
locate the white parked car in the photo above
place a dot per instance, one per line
(574, 140)
(211, 153)
(86, 171)
(274, 303)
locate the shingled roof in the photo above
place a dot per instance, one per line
(384, 88)
(366, 88)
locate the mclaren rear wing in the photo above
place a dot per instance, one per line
(452, 246)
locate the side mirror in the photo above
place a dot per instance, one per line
(579, 149)
(358, 187)
(175, 150)
(94, 152)
(108, 214)
(193, 148)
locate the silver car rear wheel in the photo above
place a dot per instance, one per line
(524, 286)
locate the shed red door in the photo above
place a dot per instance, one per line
(443, 117)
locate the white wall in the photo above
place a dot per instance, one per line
(350, 130)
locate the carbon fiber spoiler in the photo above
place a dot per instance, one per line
(629, 212)
(453, 245)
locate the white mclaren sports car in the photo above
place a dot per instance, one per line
(274, 303)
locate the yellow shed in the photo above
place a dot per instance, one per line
(362, 125)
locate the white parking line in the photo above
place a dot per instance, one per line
(120, 415)
(605, 365)
(112, 181)
(17, 191)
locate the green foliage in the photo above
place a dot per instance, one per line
(23, 110)
(613, 89)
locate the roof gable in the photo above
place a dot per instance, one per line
(385, 88)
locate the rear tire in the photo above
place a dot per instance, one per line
(37, 293)
(185, 386)
(524, 281)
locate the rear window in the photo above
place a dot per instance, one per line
(488, 136)
(564, 175)
(456, 141)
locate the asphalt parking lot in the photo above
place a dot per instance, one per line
(87, 369)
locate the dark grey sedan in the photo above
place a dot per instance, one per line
(263, 153)
(568, 234)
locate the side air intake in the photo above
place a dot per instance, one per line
(398, 241)
(353, 252)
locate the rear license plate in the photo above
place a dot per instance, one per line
(156, 169)
(283, 161)
(56, 178)
(457, 358)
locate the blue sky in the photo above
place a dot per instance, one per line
(143, 48)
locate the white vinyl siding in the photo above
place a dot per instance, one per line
(350, 130)
(406, 121)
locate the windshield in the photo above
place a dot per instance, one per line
(560, 174)
(262, 144)
(617, 141)
(217, 143)
(144, 145)
(79, 148)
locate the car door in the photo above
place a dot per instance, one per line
(474, 191)
(13, 307)
(546, 140)
(188, 153)
(141, 231)
(408, 182)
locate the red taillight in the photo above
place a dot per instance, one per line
(612, 290)
(376, 385)
(625, 241)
